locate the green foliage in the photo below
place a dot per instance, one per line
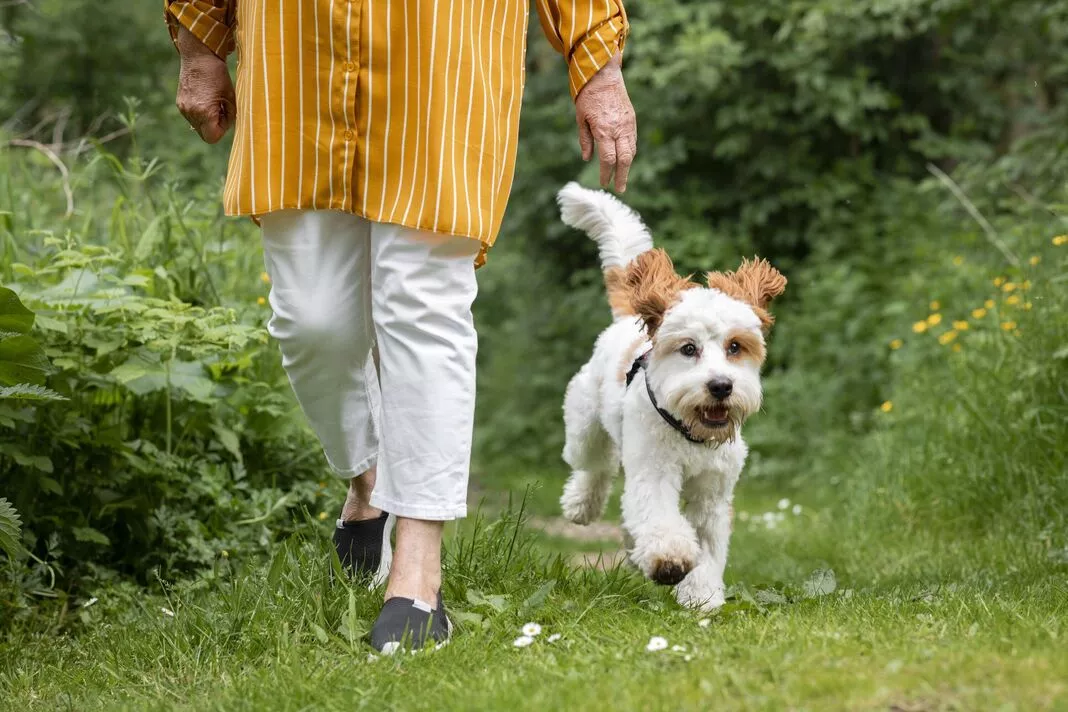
(83, 62)
(23, 364)
(10, 525)
(970, 438)
(177, 441)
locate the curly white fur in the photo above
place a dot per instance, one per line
(618, 231)
(609, 425)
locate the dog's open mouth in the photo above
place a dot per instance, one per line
(714, 416)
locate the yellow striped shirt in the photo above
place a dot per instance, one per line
(401, 111)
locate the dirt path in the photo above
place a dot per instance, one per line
(608, 535)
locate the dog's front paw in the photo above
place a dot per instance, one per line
(665, 557)
(700, 591)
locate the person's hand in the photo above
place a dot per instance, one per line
(605, 116)
(205, 91)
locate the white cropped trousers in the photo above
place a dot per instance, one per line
(347, 293)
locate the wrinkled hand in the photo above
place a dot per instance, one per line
(605, 116)
(205, 91)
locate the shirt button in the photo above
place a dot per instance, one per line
(350, 66)
(349, 135)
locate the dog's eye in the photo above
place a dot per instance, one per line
(688, 350)
(734, 348)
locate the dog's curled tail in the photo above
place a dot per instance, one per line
(618, 231)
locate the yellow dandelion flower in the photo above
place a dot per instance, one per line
(1027, 306)
(956, 348)
(960, 325)
(978, 313)
(936, 305)
(920, 327)
(322, 516)
(1008, 287)
(998, 281)
(958, 260)
(1035, 259)
(1060, 240)
(1013, 299)
(896, 344)
(989, 304)
(947, 337)
(934, 320)
(886, 407)
(261, 301)
(1026, 284)
(265, 278)
(1008, 325)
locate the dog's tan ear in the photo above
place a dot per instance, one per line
(755, 282)
(653, 286)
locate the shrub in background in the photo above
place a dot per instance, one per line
(177, 441)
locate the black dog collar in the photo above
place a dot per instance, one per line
(640, 363)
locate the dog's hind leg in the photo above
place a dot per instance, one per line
(589, 451)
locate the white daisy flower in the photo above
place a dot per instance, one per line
(784, 503)
(531, 629)
(553, 638)
(796, 509)
(687, 658)
(167, 612)
(768, 516)
(678, 648)
(522, 641)
(656, 643)
(704, 622)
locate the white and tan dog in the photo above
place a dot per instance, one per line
(665, 394)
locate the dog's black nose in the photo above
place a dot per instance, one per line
(720, 388)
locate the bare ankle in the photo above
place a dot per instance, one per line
(416, 571)
(358, 500)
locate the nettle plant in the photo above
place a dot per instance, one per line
(138, 432)
(23, 370)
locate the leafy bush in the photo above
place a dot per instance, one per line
(177, 441)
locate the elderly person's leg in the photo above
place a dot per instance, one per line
(423, 286)
(319, 265)
(357, 505)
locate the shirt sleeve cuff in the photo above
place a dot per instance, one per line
(594, 51)
(206, 19)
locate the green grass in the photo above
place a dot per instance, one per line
(281, 636)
